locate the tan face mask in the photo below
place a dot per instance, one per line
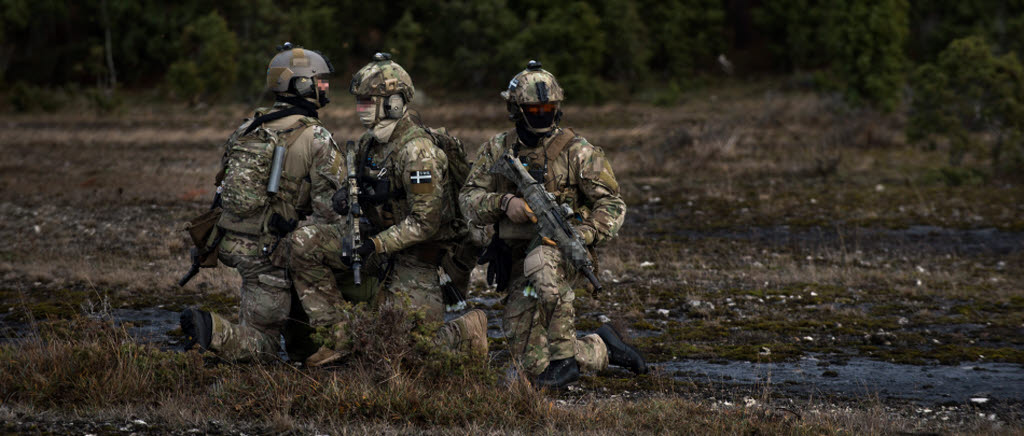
(366, 110)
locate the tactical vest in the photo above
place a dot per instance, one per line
(246, 174)
(456, 173)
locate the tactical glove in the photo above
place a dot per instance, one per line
(339, 202)
(366, 249)
(278, 226)
(518, 211)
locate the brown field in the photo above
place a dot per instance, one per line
(781, 229)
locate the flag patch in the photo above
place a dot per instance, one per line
(421, 182)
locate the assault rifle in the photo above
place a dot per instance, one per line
(551, 222)
(351, 240)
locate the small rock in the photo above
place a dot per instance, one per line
(36, 228)
(765, 351)
(663, 312)
(139, 422)
(903, 321)
(749, 402)
(646, 264)
(979, 400)
(879, 187)
(604, 319)
(808, 338)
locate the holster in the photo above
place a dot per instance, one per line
(205, 236)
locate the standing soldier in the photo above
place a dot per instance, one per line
(539, 314)
(409, 195)
(278, 168)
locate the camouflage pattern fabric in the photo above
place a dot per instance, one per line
(264, 306)
(314, 161)
(539, 324)
(323, 282)
(417, 171)
(539, 316)
(533, 86)
(381, 78)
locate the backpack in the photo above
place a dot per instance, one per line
(458, 164)
(247, 162)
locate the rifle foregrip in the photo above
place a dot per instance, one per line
(356, 272)
(593, 279)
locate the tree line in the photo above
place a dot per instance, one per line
(884, 54)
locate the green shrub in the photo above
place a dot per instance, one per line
(208, 65)
(866, 41)
(975, 100)
(860, 42)
(30, 98)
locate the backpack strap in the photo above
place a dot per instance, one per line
(559, 143)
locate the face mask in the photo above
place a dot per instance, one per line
(540, 118)
(366, 110)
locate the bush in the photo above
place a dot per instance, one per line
(31, 98)
(975, 100)
(866, 39)
(208, 65)
(860, 42)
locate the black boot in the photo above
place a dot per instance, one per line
(620, 353)
(197, 325)
(559, 373)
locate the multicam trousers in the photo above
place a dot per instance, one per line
(265, 304)
(324, 284)
(539, 316)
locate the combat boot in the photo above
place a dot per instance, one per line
(467, 332)
(559, 373)
(197, 325)
(323, 356)
(620, 353)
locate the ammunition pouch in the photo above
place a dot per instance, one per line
(509, 230)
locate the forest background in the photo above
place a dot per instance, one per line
(951, 66)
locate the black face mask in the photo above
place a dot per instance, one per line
(541, 121)
(527, 137)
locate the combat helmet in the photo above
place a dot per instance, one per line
(382, 77)
(534, 96)
(293, 70)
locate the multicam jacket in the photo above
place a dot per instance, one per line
(578, 175)
(417, 209)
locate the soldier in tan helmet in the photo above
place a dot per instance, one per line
(539, 313)
(281, 166)
(409, 198)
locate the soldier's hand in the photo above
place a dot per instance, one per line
(519, 212)
(366, 249)
(339, 202)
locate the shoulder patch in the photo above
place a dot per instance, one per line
(421, 182)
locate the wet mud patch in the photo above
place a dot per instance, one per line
(859, 378)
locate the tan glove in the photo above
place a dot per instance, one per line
(519, 212)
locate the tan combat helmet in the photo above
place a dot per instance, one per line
(382, 77)
(534, 85)
(293, 69)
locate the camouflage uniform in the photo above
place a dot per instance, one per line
(418, 219)
(539, 314)
(311, 175)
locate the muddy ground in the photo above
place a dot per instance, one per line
(778, 249)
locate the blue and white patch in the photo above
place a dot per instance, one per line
(513, 84)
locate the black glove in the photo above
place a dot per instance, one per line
(366, 249)
(339, 202)
(279, 226)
